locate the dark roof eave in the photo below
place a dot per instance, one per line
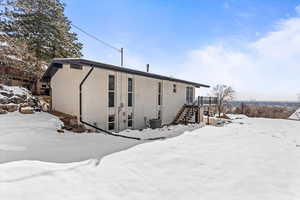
(56, 63)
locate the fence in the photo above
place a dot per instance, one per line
(202, 101)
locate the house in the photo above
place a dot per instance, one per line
(116, 98)
(295, 115)
(13, 76)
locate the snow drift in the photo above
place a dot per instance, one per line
(248, 159)
(295, 115)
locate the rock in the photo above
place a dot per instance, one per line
(3, 112)
(26, 110)
(3, 106)
(45, 107)
(90, 131)
(22, 96)
(73, 122)
(16, 100)
(32, 101)
(37, 109)
(11, 107)
(224, 116)
(6, 93)
(24, 105)
(67, 127)
(3, 100)
(60, 131)
(64, 120)
(79, 129)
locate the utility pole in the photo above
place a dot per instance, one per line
(122, 54)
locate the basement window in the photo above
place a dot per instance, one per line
(129, 120)
(111, 122)
(174, 88)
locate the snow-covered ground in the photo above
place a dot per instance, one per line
(251, 158)
(164, 132)
(35, 137)
(295, 115)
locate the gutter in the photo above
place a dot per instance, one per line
(88, 124)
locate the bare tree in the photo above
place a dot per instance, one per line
(224, 94)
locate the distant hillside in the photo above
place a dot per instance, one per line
(290, 105)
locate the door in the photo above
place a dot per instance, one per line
(189, 95)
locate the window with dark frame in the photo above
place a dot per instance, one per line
(130, 92)
(130, 120)
(159, 93)
(111, 91)
(189, 94)
(174, 88)
(111, 122)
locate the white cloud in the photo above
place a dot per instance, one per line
(266, 69)
(298, 9)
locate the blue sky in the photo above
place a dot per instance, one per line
(208, 41)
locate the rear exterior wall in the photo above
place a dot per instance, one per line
(95, 110)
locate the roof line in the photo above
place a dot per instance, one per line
(80, 61)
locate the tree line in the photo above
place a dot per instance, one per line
(33, 32)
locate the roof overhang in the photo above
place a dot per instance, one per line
(57, 63)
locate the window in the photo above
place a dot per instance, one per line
(189, 95)
(159, 93)
(111, 82)
(174, 88)
(130, 92)
(111, 91)
(130, 120)
(111, 122)
(129, 84)
(111, 99)
(129, 99)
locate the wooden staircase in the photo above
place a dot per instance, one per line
(185, 114)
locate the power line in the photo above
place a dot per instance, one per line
(94, 37)
(121, 50)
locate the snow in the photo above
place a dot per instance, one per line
(251, 158)
(35, 137)
(15, 90)
(295, 115)
(3, 97)
(166, 131)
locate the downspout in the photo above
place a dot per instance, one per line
(88, 124)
